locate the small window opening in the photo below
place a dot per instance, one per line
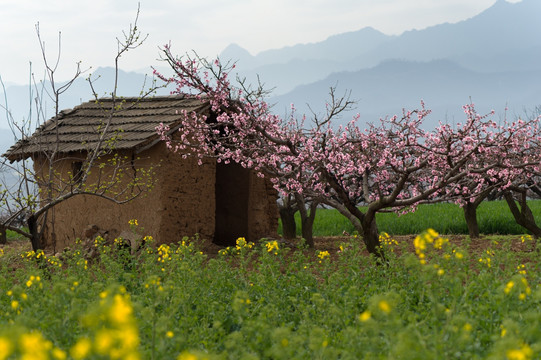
(77, 172)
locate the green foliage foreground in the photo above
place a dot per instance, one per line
(439, 301)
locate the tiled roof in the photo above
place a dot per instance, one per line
(133, 125)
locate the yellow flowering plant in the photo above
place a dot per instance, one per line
(272, 247)
(426, 240)
(276, 306)
(17, 342)
(242, 248)
(323, 255)
(113, 329)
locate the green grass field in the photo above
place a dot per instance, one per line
(494, 217)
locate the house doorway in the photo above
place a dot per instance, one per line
(232, 195)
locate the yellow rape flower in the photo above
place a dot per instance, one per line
(241, 242)
(439, 242)
(34, 346)
(120, 312)
(441, 272)
(59, 354)
(486, 261)
(186, 356)
(432, 233)
(419, 243)
(524, 353)
(272, 246)
(5, 348)
(103, 341)
(508, 287)
(325, 343)
(130, 337)
(365, 316)
(384, 306)
(81, 349)
(322, 255)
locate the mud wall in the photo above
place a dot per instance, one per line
(181, 203)
(68, 220)
(263, 214)
(186, 197)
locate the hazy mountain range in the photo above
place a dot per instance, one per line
(505, 37)
(492, 59)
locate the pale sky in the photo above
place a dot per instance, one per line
(89, 28)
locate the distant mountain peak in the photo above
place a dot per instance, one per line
(500, 4)
(235, 53)
(234, 47)
(506, 5)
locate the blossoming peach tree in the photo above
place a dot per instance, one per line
(391, 165)
(508, 167)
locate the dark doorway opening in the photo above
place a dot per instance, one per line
(232, 195)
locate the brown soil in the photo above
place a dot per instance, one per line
(16, 246)
(480, 245)
(332, 243)
(513, 242)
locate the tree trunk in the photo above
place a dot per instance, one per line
(470, 214)
(365, 224)
(371, 237)
(307, 218)
(307, 232)
(307, 222)
(3, 235)
(523, 216)
(35, 238)
(289, 227)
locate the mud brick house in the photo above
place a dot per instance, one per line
(217, 201)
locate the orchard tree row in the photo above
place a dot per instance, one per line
(392, 165)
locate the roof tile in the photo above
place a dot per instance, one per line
(134, 123)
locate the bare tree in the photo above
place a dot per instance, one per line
(100, 170)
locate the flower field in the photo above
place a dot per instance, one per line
(432, 299)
